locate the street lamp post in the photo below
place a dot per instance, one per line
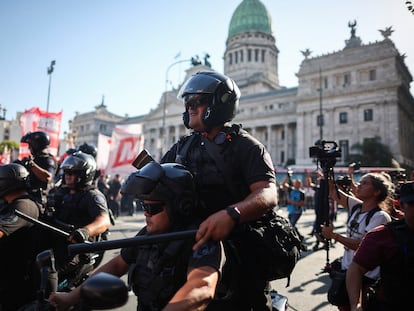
(49, 72)
(163, 130)
(320, 106)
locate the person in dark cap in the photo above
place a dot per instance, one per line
(390, 246)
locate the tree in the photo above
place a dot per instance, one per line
(11, 145)
(372, 153)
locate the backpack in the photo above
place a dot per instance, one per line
(276, 245)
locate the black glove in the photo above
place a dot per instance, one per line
(80, 235)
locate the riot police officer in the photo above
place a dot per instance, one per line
(79, 204)
(233, 171)
(166, 274)
(41, 165)
(18, 282)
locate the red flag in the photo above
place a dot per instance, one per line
(33, 120)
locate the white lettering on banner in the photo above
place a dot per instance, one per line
(50, 124)
(128, 147)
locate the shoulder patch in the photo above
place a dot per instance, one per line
(99, 199)
(205, 250)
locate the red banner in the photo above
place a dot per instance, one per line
(33, 120)
(126, 143)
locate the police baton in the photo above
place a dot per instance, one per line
(41, 223)
(128, 242)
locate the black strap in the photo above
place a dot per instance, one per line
(369, 215)
(182, 149)
(214, 152)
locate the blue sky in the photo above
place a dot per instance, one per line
(122, 48)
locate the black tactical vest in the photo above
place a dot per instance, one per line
(160, 270)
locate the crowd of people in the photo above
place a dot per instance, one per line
(216, 180)
(379, 239)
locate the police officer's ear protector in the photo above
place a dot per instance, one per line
(223, 107)
(186, 203)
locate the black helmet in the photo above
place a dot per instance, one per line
(89, 149)
(13, 176)
(168, 182)
(82, 164)
(220, 91)
(36, 140)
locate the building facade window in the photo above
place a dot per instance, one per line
(319, 120)
(325, 82)
(372, 75)
(256, 55)
(282, 135)
(263, 56)
(230, 59)
(344, 145)
(347, 79)
(368, 115)
(249, 55)
(241, 56)
(343, 117)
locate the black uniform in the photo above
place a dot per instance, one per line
(19, 280)
(78, 209)
(244, 161)
(159, 270)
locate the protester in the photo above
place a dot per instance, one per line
(18, 282)
(103, 185)
(233, 172)
(114, 195)
(391, 247)
(309, 193)
(365, 213)
(295, 202)
(166, 275)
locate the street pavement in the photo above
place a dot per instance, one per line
(308, 284)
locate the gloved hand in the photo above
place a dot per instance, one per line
(80, 235)
(27, 162)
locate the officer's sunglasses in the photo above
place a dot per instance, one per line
(152, 208)
(195, 100)
(69, 172)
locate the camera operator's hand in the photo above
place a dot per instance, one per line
(358, 307)
(80, 235)
(351, 169)
(327, 231)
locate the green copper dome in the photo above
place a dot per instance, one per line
(250, 15)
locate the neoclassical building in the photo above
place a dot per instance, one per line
(347, 96)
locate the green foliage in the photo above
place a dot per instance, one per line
(11, 145)
(372, 153)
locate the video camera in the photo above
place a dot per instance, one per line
(325, 152)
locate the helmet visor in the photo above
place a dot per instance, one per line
(199, 84)
(195, 100)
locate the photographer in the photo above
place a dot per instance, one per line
(365, 212)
